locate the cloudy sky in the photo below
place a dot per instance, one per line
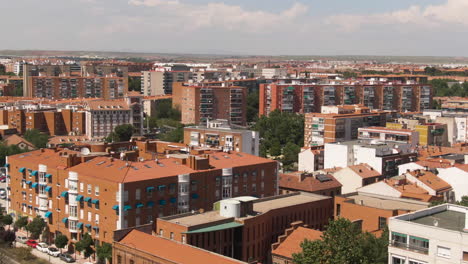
(293, 27)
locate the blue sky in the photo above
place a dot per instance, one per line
(263, 27)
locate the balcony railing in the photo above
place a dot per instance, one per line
(414, 248)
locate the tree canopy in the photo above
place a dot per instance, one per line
(134, 84)
(84, 245)
(121, 133)
(442, 87)
(343, 243)
(21, 222)
(8, 151)
(36, 227)
(38, 139)
(61, 241)
(252, 106)
(104, 252)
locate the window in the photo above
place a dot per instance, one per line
(137, 221)
(412, 261)
(399, 240)
(96, 190)
(419, 244)
(443, 252)
(254, 187)
(398, 260)
(382, 222)
(183, 239)
(172, 235)
(161, 232)
(137, 194)
(66, 183)
(90, 216)
(81, 214)
(338, 209)
(465, 256)
(89, 188)
(119, 259)
(81, 186)
(96, 216)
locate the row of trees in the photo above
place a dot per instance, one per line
(344, 243)
(282, 136)
(442, 88)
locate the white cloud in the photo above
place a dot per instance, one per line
(221, 15)
(452, 12)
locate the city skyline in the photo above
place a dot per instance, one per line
(241, 27)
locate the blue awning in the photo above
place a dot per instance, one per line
(48, 214)
(95, 227)
(150, 189)
(115, 207)
(161, 187)
(87, 199)
(79, 225)
(28, 182)
(23, 169)
(173, 200)
(88, 225)
(150, 204)
(64, 194)
(34, 173)
(29, 206)
(64, 220)
(7, 165)
(195, 196)
(127, 207)
(34, 185)
(79, 198)
(48, 175)
(95, 201)
(48, 188)
(139, 205)
(162, 202)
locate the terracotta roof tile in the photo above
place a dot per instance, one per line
(108, 105)
(173, 251)
(365, 171)
(15, 140)
(292, 244)
(431, 180)
(309, 184)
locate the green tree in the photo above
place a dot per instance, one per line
(84, 245)
(275, 149)
(104, 252)
(36, 227)
(164, 110)
(343, 243)
(8, 151)
(7, 236)
(21, 222)
(61, 242)
(38, 139)
(18, 91)
(290, 154)
(463, 201)
(121, 133)
(46, 234)
(7, 220)
(252, 106)
(134, 84)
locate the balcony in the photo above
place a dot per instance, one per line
(414, 248)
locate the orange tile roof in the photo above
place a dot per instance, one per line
(108, 105)
(365, 171)
(15, 140)
(309, 184)
(431, 180)
(409, 190)
(173, 251)
(49, 157)
(292, 244)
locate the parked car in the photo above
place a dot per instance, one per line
(42, 247)
(2, 178)
(2, 193)
(53, 251)
(21, 239)
(66, 257)
(32, 243)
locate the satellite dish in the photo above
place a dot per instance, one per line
(435, 223)
(85, 151)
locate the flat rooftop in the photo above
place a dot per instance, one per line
(197, 219)
(448, 219)
(367, 143)
(386, 203)
(266, 204)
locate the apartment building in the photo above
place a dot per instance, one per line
(245, 227)
(311, 158)
(140, 248)
(310, 97)
(383, 157)
(77, 193)
(199, 104)
(30, 70)
(274, 72)
(372, 211)
(339, 123)
(161, 81)
(218, 134)
(429, 133)
(385, 134)
(432, 235)
(50, 121)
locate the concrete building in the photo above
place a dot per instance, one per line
(218, 134)
(429, 133)
(199, 104)
(356, 176)
(76, 192)
(432, 235)
(384, 134)
(318, 183)
(245, 227)
(274, 72)
(383, 157)
(339, 123)
(152, 83)
(372, 211)
(140, 248)
(311, 158)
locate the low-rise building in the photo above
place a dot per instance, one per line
(245, 227)
(318, 183)
(429, 181)
(311, 158)
(433, 235)
(356, 176)
(218, 134)
(385, 134)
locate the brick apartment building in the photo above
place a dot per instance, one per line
(309, 98)
(199, 103)
(50, 121)
(245, 227)
(77, 193)
(339, 123)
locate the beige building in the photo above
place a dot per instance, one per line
(152, 83)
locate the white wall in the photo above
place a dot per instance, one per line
(457, 178)
(380, 188)
(306, 160)
(349, 179)
(337, 155)
(408, 166)
(367, 155)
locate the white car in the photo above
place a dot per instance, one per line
(53, 251)
(42, 247)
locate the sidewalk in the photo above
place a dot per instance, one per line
(79, 259)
